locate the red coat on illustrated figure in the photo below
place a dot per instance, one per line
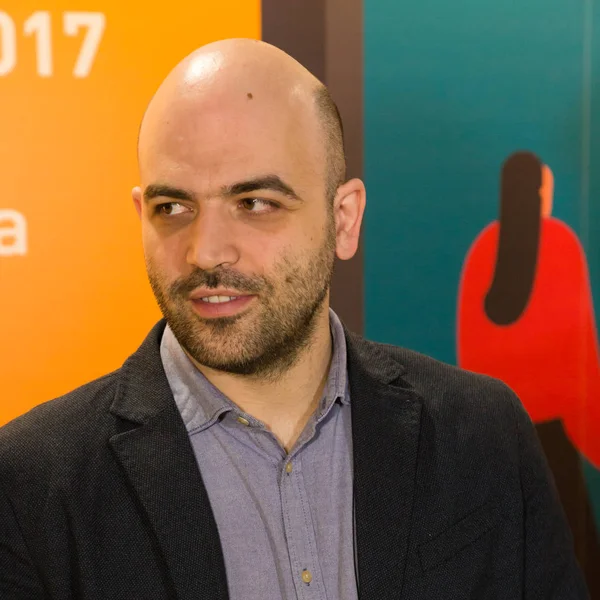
(525, 310)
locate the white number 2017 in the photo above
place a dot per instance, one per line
(39, 24)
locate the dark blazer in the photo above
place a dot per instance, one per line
(101, 497)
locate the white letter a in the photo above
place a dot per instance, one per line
(13, 233)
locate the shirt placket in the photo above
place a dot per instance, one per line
(299, 532)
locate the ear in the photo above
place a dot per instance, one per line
(136, 194)
(349, 207)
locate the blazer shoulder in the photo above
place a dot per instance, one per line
(446, 387)
(466, 414)
(52, 431)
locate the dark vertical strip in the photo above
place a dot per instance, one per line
(326, 37)
(344, 77)
(298, 28)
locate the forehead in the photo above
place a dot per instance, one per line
(210, 142)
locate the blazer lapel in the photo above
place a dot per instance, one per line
(158, 460)
(385, 429)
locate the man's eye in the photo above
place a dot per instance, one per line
(257, 205)
(170, 208)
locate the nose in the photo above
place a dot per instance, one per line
(212, 242)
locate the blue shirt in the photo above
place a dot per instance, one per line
(285, 521)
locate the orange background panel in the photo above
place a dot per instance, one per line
(78, 303)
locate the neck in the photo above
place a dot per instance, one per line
(283, 404)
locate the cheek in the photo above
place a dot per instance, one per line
(294, 253)
(260, 252)
(165, 254)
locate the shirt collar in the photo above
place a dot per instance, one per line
(201, 404)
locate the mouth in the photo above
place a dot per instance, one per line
(213, 305)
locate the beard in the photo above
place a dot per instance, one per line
(266, 339)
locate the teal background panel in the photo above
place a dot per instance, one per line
(451, 89)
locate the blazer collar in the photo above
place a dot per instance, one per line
(154, 451)
(143, 388)
(386, 421)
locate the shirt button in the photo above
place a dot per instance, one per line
(243, 421)
(306, 576)
(288, 468)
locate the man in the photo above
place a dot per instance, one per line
(252, 448)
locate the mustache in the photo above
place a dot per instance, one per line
(250, 284)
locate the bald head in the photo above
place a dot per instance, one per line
(227, 83)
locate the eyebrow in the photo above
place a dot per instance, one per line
(273, 183)
(157, 190)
